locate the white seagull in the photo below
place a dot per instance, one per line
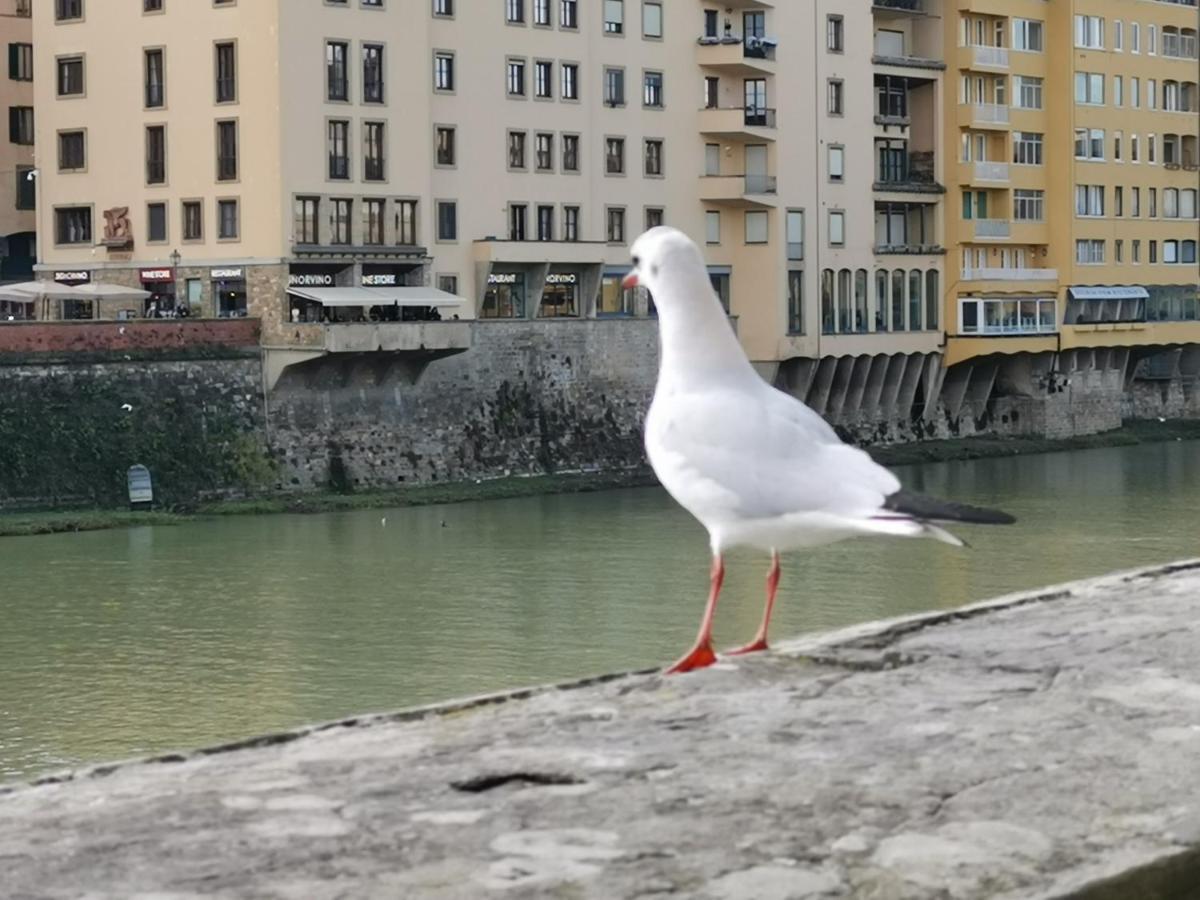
(754, 465)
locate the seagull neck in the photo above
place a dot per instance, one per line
(699, 340)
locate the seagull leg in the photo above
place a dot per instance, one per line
(760, 639)
(702, 653)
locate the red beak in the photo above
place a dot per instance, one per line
(629, 281)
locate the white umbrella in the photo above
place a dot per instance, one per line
(26, 291)
(99, 290)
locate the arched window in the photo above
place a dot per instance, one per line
(862, 320)
(898, 300)
(844, 302)
(827, 301)
(881, 300)
(933, 299)
(914, 300)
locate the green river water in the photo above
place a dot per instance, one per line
(126, 642)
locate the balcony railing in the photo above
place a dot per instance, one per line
(754, 47)
(993, 57)
(913, 6)
(759, 116)
(760, 184)
(991, 171)
(1010, 274)
(990, 112)
(992, 228)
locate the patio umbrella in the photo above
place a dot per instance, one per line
(99, 290)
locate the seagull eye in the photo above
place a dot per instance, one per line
(636, 261)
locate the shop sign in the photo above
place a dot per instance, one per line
(225, 274)
(156, 274)
(72, 276)
(310, 279)
(502, 278)
(385, 279)
(561, 278)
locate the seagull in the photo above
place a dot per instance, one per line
(753, 464)
(128, 407)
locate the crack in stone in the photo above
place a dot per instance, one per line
(482, 783)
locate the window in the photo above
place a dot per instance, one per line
(837, 162)
(1151, 93)
(444, 145)
(153, 71)
(517, 216)
(339, 220)
(614, 229)
(541, 12)
(1154, 251)
(443, 7)
(307, 228)
(568, 14)
(1133, 149)
(227, 150)
(1027, 92)
(614, 156)
(68, 9)
(794, 229)
(1089, 32)
(570, 223)
(372, 63)
(20, 62)
(1118, 92)
(152, 5)
(835, 95)
(933, 300)
(447, 219)
(228, 226)
(516, 77)
(1089, 252)
(795, 301)
(568, 81)
(544, 151)
(443, 71)
(1135, 91)
(1135, 202)
(712, 226)
(654, 216)
(71, 153)
(1027, 148)
(73, 225)
(835, 34)
(543, 79)
(1089, 143)
(1150, 150)
(70, 76)
(997, 316)
(1187, 203)
(570, 153)
(1151, 39)
(20, 124)
(1117, 146)
(404, 214)
(1135, 39)
(1027, 35)
(226, 65)
(1118, 35)
(652, 19)
(1135, 254)
(1153, 203)
(614, 87)
(1187, 254)
(653, 158)
(1118, 251)
(514, 12)
(1028, 205)
(516, 150)
(374, 150)
(837, 228)
(1170, 251)
(1118, 201)
(756, 227)
(193, 220)
(1089, 88)
(614, 16)
(156, 154)
(338, 145)
(652, 90)
(545, 223)
(1089, 200)
(712, 91)
(156, 222)
(337, 75)
(448, 283)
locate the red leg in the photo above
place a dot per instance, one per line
(760, 639)
(702, 653)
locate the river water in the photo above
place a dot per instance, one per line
(126, 642)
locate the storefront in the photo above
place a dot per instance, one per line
(301, 309)
(229, 292)
(75, 308)
(505, 296)
(560, 296)
(161, 285)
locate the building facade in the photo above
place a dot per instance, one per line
(18, 182)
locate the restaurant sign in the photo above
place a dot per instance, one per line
(72, 276)
(157, 274)
(561, 278)
(310, 279)
(502, 278)
(381, 279)
(225, 274)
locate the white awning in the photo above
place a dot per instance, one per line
(364, 296)
(112, 291)
(1109, 292)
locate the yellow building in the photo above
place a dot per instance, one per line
(1073, 228)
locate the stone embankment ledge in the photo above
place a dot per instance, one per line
(1043, 745)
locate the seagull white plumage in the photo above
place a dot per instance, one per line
(753, 464)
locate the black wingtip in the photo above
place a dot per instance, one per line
(919, 506)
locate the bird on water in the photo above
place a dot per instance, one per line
(753, 464)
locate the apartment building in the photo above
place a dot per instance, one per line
(18, 185)
(297, 161)
(1073, 224)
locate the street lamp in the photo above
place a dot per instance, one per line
(175, 257)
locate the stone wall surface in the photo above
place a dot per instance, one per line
(1041, 746)
(135, 334)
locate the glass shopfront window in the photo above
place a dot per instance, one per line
(614, 299)
(231, 297)
(505, 297)
(560, 297)
(78, 309)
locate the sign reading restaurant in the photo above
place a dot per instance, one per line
(225, 274)
(72, 276)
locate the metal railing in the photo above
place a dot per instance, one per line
(990, 112)
(760, 184)
(902, 5)
(992, 228)
(1010, 274)
(991, 171)
(759, 116)
(995, 57)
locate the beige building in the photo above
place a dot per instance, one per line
(281, 159)
(18, 184)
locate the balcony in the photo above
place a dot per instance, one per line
(992, 228)
(898, 8)
(738, 190)
(991, 171)
(754, 56)
(1022, 275)
(911, 173)
(988, 114)
(737, 122)
(990, 57)
(907, 62)
(909, 249)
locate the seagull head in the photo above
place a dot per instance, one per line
(663, 253)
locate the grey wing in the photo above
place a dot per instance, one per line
(759, 455)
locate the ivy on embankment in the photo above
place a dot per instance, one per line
(69, 434)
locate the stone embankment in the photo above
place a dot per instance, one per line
(1043, 745)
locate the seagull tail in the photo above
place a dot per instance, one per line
(905, 526)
